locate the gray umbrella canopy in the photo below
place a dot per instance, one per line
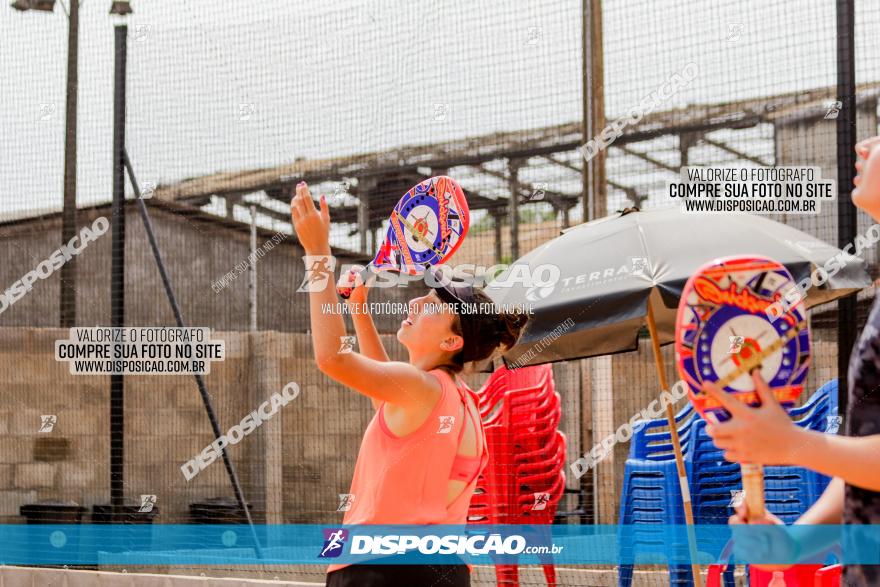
(609, 268)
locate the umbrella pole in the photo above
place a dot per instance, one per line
(676, 445)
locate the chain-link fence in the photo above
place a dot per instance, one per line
(228, 107)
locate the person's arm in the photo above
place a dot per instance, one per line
(796, 543)
(828, 509)
(765, 435)
(394, 382)
(369, 341)
(855, 459)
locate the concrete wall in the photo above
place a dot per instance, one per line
(292, 468)
(295, 465)
(198, 251)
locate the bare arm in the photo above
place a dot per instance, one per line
(766, 435)
(828, 509)
(798, 543)
(368, 337)
(394, 382)
(369, 341)
(855, 459)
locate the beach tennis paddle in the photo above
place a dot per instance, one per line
(426, 227)
(723, 332)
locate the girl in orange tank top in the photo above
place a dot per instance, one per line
(424, 448)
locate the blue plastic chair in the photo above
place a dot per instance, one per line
(651, 497)
(651, 493)
(827, 389)
(650, 443)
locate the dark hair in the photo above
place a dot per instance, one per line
(495, 330)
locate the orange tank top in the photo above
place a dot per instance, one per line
(403, 480)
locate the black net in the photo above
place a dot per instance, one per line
(228, 107)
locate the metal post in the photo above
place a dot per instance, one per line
(67, 310)
(200, 382)
(586, 112)
(363, 223)
(846, 212)
(513, 166)
(497, 222)
(252, 271)
(117, 271)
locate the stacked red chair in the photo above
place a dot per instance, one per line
(525, 477)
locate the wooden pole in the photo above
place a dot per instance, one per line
(252, 271)
(596, 106)
(676, 445)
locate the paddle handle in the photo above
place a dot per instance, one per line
(753, 489)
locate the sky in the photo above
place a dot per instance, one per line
(220, 86)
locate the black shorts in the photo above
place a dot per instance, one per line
(377, 575)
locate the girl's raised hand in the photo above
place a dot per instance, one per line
(312, 226)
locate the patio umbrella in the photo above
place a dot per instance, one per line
(627, 270)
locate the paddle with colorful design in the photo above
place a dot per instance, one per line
(723, 332)
(426, 227)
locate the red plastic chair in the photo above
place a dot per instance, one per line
(806, 575)
(829, 576)
(544, 451)
(503, 382)
(513, 399)
(521, 412)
